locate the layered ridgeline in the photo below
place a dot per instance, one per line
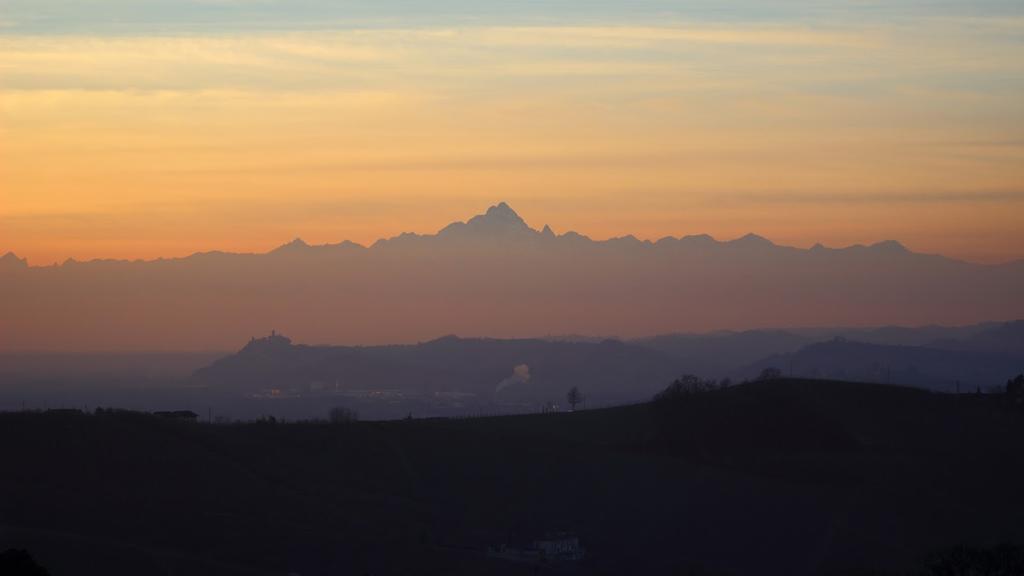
(531, 372)
(491, 276)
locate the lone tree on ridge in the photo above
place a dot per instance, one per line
(574, 397)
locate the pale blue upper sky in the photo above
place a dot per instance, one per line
(177, 16)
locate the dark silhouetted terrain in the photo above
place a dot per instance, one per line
(782, 477)
(610, 370)
(454, 376)
(919, 366)
(533, 371)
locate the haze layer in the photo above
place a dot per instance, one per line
(492, 275)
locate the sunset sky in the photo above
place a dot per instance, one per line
(148, 128)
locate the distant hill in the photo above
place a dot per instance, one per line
(470, 376)
(720, 353)
(924, 367)
(927, 335)
(535, 371)
(492, 275)
(1006, 338)
(532, 371)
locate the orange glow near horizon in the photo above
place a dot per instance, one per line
(146, 147)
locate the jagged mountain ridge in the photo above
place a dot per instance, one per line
(500, 222)
(492, 275)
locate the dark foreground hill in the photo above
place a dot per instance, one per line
(781, 477)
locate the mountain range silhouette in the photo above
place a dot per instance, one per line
(492, 275)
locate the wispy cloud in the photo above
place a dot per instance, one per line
(965, 196)
(721, 115)
(685, 56)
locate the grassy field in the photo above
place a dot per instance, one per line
(780, 477)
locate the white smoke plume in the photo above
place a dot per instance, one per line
(520, 375)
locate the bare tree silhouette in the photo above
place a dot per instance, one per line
(342, 415)
(574, 397)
